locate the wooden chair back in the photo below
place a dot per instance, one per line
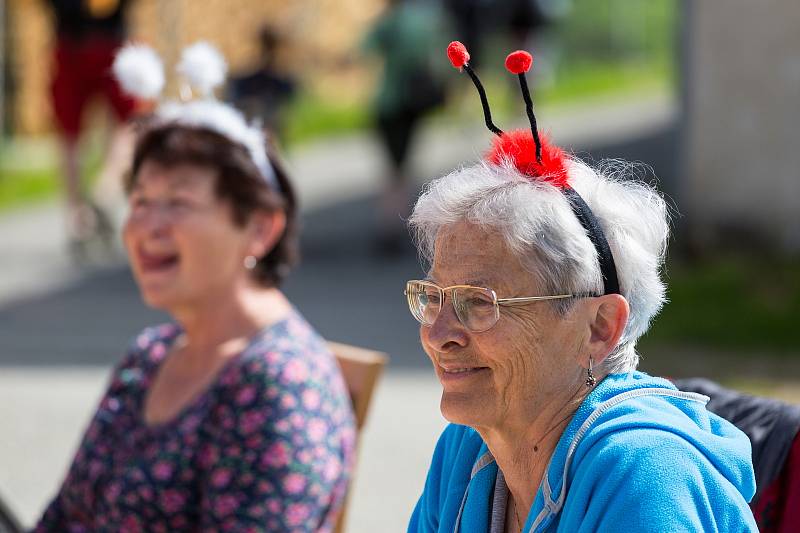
(361, 369)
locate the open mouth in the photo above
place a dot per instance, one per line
(151, 263)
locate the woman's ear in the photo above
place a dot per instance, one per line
(608, 318)
(267, 229)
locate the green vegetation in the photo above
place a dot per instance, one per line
(310, 117)
(26, 186)
(736, 304)
(602, 48)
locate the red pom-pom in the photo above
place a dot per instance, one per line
(518, 148)
(519, 62)
(457, 53)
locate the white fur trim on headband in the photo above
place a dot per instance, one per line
(226, 121)
(203, 67)
(140, 71)
(141, 74)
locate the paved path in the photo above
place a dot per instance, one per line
(61, 328)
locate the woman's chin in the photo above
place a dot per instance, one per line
(161, 298)
(463, 408)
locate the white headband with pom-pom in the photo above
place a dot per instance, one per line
(140, 73)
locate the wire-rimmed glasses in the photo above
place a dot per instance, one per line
(477, 308)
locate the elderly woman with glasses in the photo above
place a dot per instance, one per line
(543, 275)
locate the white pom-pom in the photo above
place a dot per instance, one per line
(203, 66)
(139, 71)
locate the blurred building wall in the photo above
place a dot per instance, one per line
(742, 145)
(320, 33)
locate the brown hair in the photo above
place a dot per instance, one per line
(238, 181)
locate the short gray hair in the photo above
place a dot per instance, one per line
(538, 225)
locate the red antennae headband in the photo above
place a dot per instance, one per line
(535, 157)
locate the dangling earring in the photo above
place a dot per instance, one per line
(590, 379)
(250, 262)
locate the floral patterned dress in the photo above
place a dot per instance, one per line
(267, 447)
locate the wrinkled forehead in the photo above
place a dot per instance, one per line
(465, 253)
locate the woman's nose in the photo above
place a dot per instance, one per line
(154, 219)
(447, 332)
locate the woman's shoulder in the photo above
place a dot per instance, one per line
(657, 433)
(289, 352)
(288, 366)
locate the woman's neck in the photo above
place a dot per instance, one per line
(223, 325)
(523, 448)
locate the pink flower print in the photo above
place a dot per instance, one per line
(137, 474)
(131, 524)
(274, 506)
(230, 378)
(295, 371)
(246, 395)
(254, 441)
(294, 483)
(190, 423)
(95, 468)
(158, 351)
(332, 469)
(172, 501)
(146, 492)
(265, 487)
(282, 425)
(251, 421)
(142, 341)
(233, 451)
(273, 357)
(221, 477)
(162, 470)
(297, 420)
(178, 522)
(224, 505)
(288, 401)
(208, 456)
(113, 492)
(316, 429)
(310, 399)
(304, 456)
(276, 456)
(272, 392)
(297, 513)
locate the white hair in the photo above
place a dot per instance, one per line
(538, 225)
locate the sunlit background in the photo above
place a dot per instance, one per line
(704, 93)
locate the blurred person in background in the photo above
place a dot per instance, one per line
(472, 21)
(544, 274)
(234, 417)
(87, 35)
(410, 87)
(264, 92)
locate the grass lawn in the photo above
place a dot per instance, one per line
(739, 304)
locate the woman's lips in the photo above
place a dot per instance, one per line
(153, 263)
(454, 373)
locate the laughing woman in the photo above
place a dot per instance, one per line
(234, 417)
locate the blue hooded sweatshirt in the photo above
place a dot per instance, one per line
(638, 456)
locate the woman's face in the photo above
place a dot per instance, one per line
(514, 369)
(183, 245)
